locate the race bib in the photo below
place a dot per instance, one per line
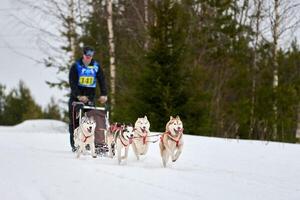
(87, 75)
(86, 81)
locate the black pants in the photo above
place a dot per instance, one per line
(73, 121)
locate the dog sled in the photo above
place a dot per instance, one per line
(101, 117)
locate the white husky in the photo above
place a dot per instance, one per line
(171, 142)
(141, 132)
(123, 141)
(85, 134)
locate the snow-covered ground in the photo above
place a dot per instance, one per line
(36, 163)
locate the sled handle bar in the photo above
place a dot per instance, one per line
(94, 108)
(88, 107)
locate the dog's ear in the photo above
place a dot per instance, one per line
(83, 119)
(121, 125)
(92, 118)
(145, 117)
(171, 117)
(177, 117)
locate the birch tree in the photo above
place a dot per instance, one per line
(256, 24)
(275, 21)
(111, 53)
(282, 20)
(298, 124)
(146, 19)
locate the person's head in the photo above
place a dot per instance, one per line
(88, 54)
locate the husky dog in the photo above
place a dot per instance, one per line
(171, 141)
(123, 140)
(85, 134)
(141, 132)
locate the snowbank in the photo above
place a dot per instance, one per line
(38, 125)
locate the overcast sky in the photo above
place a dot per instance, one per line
(17, 44)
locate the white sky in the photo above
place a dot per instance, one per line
(17, 39)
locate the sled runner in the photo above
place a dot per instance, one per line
(101, 116)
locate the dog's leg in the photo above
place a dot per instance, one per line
(126, 154)
(79, 150)
(161, 148)
(165, 157)
(163, 153)
(135, 151)
(113, 144)
(172, 152)
(178, 152)
(145, 149)
(167, 154)
(109, 144)
(93, 151)
(111, 147)
(83, 150)
(119, 148)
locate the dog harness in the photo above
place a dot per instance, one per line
(175, 139)
(115, 128)
(85, 137)
(144, 134)
(122, 141)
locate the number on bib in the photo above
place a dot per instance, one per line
(86, 80)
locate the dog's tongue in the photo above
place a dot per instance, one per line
(130, 140)
(177, 130)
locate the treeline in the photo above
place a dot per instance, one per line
(18, 105)
(217, 64)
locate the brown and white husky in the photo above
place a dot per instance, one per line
(171, 142)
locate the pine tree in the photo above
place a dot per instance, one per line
(160, 91)
(20, 106)
(52, 111)
(288, 92)
(2, 102)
